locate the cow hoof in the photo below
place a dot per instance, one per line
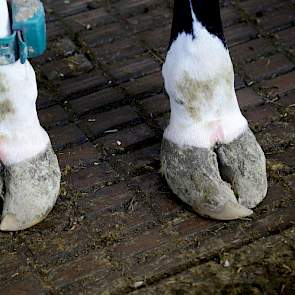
(31, 190)
(222, 184)
(242, 164)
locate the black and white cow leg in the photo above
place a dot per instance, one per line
(31, 176)
(209, 156)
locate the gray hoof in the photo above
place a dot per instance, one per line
(31, 190)
(243, 165)
(193, 175)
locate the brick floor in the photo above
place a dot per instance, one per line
(117, 228)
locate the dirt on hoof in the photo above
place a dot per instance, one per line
(242, 164)
(31, 190)
(193, 175)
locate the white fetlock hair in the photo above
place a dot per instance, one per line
(199, 79)
(4, 19)
(21, 136)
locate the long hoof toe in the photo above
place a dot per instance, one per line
(243, 165)
(193, 175)
(31, 190)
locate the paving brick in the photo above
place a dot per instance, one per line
(266, 68)
(106, 199)
(175, 260)
(282, 162)
(253, 7)
(95, 100)
(132, 69)
(63, 136)
(142, 243)
(105, 34)
(278, 135)
(280, 85)
(277, 19)
(53, 116)
(287, 37)
(59, 48)
(251, 50)
(99, 123)
(152, 18)
(262, 116)
(80, 268)
(239, 82)
(287, 100)
(247, 98)
(68, 67)
(12, 264)
(163, 121)
(246, 259)
(151, 84)
(290, 179)
(163, 202)
(156, 105)
(92, 176)
(132, 7)
(24, 285)
(157, 39)
(119, 50)
(82, 85)
(139, 159)
(119, 141)
(229, 16)
(88, 20)
(65, 8)
(78, 156)
(276, 196)
(45, 99)
(239, 33)
(55, 30)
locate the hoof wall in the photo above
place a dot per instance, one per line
(222, 184)
(31, 190)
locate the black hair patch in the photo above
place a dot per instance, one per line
(207, 13)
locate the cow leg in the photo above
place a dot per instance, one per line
(31, 171)
(210, 157)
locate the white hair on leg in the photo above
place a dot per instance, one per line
(32, 174)
(21, 136)
(4, 19)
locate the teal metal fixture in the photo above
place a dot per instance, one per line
(28, 38)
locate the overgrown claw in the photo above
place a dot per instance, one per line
(243, 165)
(9, 223)
(228, 211)
(193, 175)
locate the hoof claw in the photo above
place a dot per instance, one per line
(9, 223)
(193, 175)
(228, 211)
(243, 165)
(31, 190)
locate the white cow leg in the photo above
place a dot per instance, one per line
(210, 157)
(31, 171)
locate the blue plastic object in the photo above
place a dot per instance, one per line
(28, 39)
(8, 47)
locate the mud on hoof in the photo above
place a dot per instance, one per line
(31, 190)
(243, 165)
(193, 175)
